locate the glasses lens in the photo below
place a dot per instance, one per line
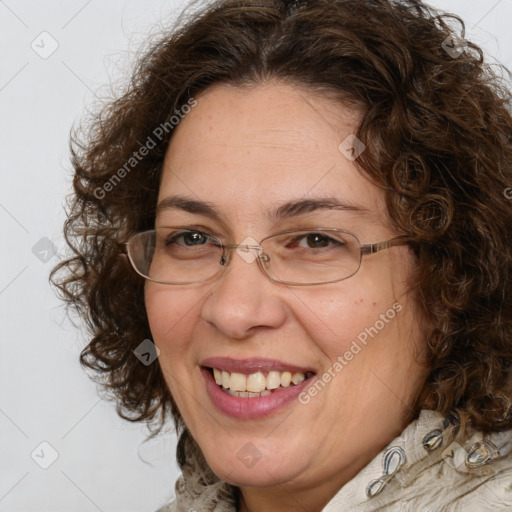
(174, 255)
(312, 257)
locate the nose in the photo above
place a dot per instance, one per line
(244, 299)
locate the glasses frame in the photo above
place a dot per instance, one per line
(262, 257)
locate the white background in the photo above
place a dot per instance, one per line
(102, 462)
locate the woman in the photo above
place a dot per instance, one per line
(292, 235)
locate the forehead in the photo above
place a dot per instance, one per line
(248, 150)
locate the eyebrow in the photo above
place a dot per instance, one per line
(188, 205)
(289, 209)
(305, 206)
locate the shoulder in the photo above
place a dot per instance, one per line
(428, 468)
(444, 472)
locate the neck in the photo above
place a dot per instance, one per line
(290, 497)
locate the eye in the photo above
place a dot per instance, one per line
(316, 241)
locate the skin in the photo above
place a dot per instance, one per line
(245, 151)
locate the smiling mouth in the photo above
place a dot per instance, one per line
(258, 384)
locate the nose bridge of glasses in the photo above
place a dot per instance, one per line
(249, 250)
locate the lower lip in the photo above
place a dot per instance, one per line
(250, 408)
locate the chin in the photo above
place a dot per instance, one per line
(251, 461)
(251, 468)
(251, 477)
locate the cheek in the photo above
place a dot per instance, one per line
(171, 316)
(353, 321)
(338, 317)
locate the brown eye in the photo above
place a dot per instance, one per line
(316, 241)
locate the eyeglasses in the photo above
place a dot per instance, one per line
(174, 255)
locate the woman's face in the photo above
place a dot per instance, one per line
(244, 153)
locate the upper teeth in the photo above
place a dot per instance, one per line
(256, 382)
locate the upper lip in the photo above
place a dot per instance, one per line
(253, 365)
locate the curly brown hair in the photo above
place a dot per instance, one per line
(437, 127)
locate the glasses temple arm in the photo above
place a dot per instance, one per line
(379, 246)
